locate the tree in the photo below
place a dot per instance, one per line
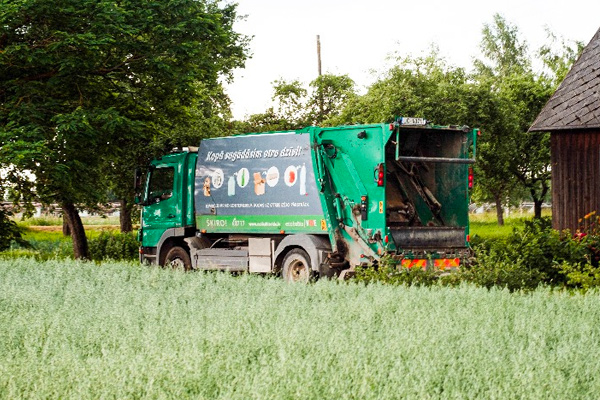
(521, 92)
(296, 107)
(9, 230)
(558, 56)
(424, 87)
(290, 98)
(207, 116)
(268, 121)
(330, 93)
(81, 79)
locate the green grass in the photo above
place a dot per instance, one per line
(79, 330)
(485, 225)
(492, 231)
(47, 244)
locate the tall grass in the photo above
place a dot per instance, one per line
(78, 330)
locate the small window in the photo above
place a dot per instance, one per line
(161, 184)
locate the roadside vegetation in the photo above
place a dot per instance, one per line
(523, 254)
(42, 239)
(72, 329)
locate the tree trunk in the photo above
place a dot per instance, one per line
(538, 201)
(125, 216)
(80, 244)
(537, 208)
(65, 229)
(499, 210)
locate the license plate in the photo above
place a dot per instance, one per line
(413, 121)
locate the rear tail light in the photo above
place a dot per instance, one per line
(379, 174)
(470, 177)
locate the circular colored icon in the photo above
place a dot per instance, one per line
(290, 176)
(243, 177)
(272, 176)
(218, 178)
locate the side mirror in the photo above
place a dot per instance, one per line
(138, 180)
(138, 187)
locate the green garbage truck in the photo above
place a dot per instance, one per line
(312, 202)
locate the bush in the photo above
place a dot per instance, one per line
(389, 271)
(536, 255)
(491, 267)
(9, 231)
(114, 246)
(532, 256)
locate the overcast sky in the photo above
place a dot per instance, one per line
(358, 36)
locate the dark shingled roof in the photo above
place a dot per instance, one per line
(576, 102)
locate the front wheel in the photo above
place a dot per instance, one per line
(296, 267)
(178, 258)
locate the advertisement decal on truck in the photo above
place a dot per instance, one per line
(257, 185)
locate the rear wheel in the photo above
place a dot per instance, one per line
(296, 267)
(178, 258)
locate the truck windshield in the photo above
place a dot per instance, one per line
(161, 184)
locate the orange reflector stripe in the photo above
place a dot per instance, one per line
(441, 263)
(417, 262)
(444, 263)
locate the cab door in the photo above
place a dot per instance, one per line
(162, 209)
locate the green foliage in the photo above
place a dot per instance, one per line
(51, 244)
(531, 256)
(537, 254)
(9, 231)
(507, 148)
(114, 246)
(421, 87)
(50, 220)
(329, 96)
(495, 268)
(78, 330)
(40, 250)
(392, 273)
(486, 231)
(269, 121)
(87, 85)
(297, 107)
(581, 275)
(41, 245)
(559, 57)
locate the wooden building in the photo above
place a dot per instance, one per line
(572, 116)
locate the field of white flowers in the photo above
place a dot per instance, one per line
(118, 330)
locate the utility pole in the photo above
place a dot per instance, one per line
(319, 89)
(319, 52)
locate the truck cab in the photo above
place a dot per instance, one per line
(168, 207)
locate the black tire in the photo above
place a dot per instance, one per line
(178, 258)
(296, 267)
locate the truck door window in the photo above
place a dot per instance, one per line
(161, 184)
